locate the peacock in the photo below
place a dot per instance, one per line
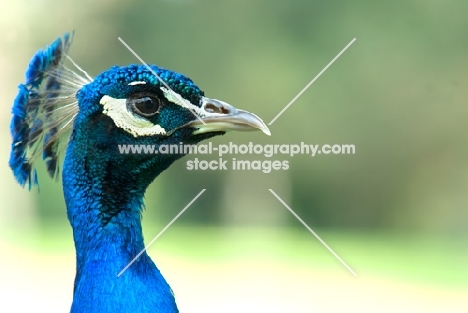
(61, 110)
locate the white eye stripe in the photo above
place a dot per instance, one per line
(137, 83)
(137, 126)
(175, 98)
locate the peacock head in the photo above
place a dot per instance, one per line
(134, 105)
(151, 107)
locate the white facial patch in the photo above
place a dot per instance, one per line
(137, 126)
(137, 83)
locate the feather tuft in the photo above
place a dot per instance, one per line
(44, 110)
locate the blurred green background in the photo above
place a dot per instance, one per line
(396, 211)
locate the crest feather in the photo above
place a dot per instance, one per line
(44, 110)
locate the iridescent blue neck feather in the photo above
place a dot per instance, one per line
(104, 200)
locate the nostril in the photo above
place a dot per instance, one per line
(213, 108)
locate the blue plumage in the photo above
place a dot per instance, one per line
(59, 108)
(38, 96)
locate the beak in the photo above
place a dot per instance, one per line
(216, 115)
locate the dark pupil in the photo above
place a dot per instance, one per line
(146, 105)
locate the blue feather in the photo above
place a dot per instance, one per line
(33, 123)
(20, 133)
(47, 59)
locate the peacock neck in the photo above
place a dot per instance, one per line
(105, 214)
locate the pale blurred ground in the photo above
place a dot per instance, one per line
(396, 212)
(260, 270)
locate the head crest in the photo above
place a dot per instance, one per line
(44, 110)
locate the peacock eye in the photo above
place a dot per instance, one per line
(144, 105)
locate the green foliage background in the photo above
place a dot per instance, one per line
(398, 94)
